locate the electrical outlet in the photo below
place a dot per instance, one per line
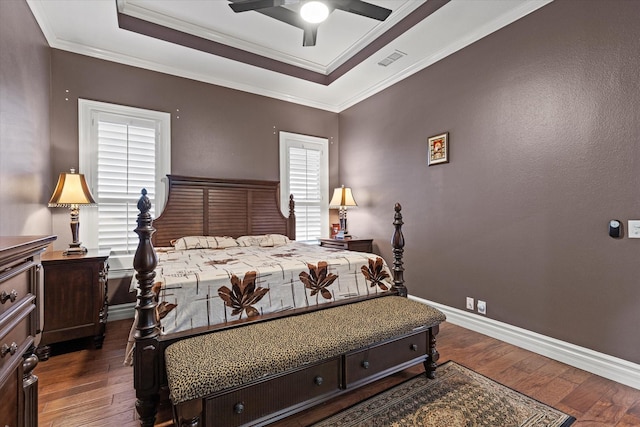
(482, 307)
(469, 303)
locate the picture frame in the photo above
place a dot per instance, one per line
(438, 149)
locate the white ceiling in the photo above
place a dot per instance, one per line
(90, 27)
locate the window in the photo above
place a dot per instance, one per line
(304, 172)
(122, 151)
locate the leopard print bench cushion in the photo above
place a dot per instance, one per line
(199, 366)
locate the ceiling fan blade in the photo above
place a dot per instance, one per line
(310, 35)
(247, 5)
(285, 15)
(290, 17)
(363, 8)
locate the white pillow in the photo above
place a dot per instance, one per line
(246, 241)
(204, 242)
(279, 239)
(265, 240)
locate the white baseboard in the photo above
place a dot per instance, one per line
(121, 311)
(606, 366)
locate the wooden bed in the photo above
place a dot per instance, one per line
(221, 207)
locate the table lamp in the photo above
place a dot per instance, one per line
(71, 192)
(342, 198)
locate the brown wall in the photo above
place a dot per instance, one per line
(544, 121)
(217, 132)
(543, 118)
(25, 177)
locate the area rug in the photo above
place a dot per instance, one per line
(457, 397)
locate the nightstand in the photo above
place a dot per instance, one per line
(357, 245)
(75, 298)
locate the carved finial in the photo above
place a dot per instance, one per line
(144, 204)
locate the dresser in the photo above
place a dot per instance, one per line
(20, 320)
(75, 298)
(358, 245)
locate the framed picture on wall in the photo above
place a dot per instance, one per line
(438, 150)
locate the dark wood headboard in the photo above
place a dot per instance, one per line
(222, 207)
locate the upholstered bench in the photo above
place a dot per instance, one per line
(230, 376)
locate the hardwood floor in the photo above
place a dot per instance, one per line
(90, 387)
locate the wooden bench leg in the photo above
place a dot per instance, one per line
(430, 364)
(188, 414)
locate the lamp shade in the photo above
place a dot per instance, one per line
(72, 189)
(342, 197)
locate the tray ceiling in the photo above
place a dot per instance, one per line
(249, 51)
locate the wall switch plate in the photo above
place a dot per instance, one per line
(469, 303)
(634, 228)
(482, 307)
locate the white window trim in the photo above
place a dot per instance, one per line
(87, 166)
(288, 139)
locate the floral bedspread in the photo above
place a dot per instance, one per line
(202, 287)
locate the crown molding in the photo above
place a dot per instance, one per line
(458, 44)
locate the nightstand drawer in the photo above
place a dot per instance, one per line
(357, 245)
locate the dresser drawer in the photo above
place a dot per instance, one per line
(11, 401)
(249, 404)
(14, 335)
(363, 365)
(14, 287)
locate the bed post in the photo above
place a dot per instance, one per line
(397, 242)
(146, 353)
(291, 224)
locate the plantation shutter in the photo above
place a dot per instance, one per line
(305, 185)
(122, 150)
(304, 172)
(126, 164)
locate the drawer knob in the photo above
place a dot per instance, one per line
(318, 380)
(238, 408)
(4, 297)
(414, 347)
(365, 364)
(6, 349)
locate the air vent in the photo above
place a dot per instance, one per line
(392, 58)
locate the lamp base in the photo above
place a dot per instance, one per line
(342, 235)
(75, 249)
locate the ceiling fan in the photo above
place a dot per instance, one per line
(276, 10)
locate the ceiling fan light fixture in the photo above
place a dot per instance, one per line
(314, 12)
